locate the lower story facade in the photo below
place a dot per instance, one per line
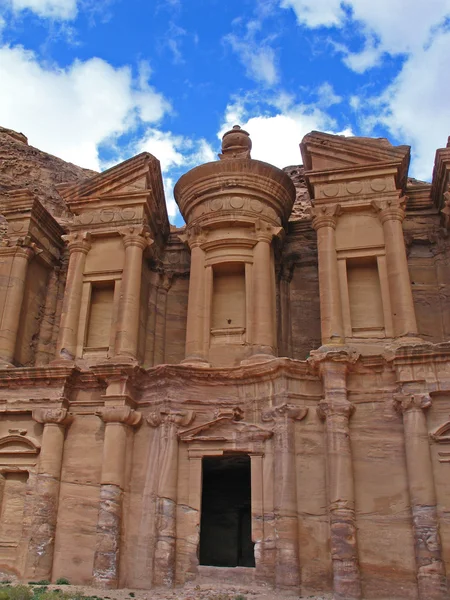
(330, 474)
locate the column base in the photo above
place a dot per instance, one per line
(195, 361)
(257, 358)
(4, 364)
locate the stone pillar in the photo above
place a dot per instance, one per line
(166, 535)
(324, 222)
(20, 256)
(43, 351)
(107, 552)
(391, 214)
(431, 579)
(287, 567)
(160, 321)
(79, 245)
(45, 511)
(195, 329)
(336, 410)
(135, 240)
(264, 335)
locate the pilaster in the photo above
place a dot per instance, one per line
(169, 423)
(39, 562)
(287, 566)
(117, 420)
(336, 410)
(431, 579)
(136, 240)
(79, 244)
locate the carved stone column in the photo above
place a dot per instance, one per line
(324, 222)
(391, 214)
(160, 321)
(43, 527)
(135, 240)
(264, 334)
(431, 579)
(19, 256)
(195, 329)
(43, 351)
(107, 552)
(287, 567)
(169, 422)
(79, 245)
(336, 410)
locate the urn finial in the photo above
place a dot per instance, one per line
(236, 143)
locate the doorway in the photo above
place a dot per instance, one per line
(226, 520)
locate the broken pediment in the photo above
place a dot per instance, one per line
(326, 152)
(132, 182)
(226, 429)
(442, 434)
(18, 445)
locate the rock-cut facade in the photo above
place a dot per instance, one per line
(262, 393)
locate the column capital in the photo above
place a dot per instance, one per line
(120, 414)
(136, 236)
(327, 409)
(194, 236)
(22, 247)
(55, 416)
(325, 216)
(265, 232)
(79, 241)
(283, 412)
(344, 355)
(179, 418)
(404, 402)
(390, 209)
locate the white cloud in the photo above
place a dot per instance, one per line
(276, 137)
(316, 13)
(416, 106)
(69, 112)
(388, 26)
(257, 55)
(51, 9)
(259, 61)
(327, 96)
(176, 153)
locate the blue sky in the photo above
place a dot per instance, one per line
(97, 81)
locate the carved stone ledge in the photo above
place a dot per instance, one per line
(120, 414)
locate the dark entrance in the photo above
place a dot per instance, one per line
(225, 528)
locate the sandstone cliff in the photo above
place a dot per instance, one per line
(23, 166)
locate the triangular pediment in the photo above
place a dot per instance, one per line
(326, 152)
(138, 174)
(225, 429)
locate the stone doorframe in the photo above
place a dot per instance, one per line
(228, 433)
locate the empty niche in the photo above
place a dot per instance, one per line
(364, 291)
(11, 509)
(100, 316)
(228, 301)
